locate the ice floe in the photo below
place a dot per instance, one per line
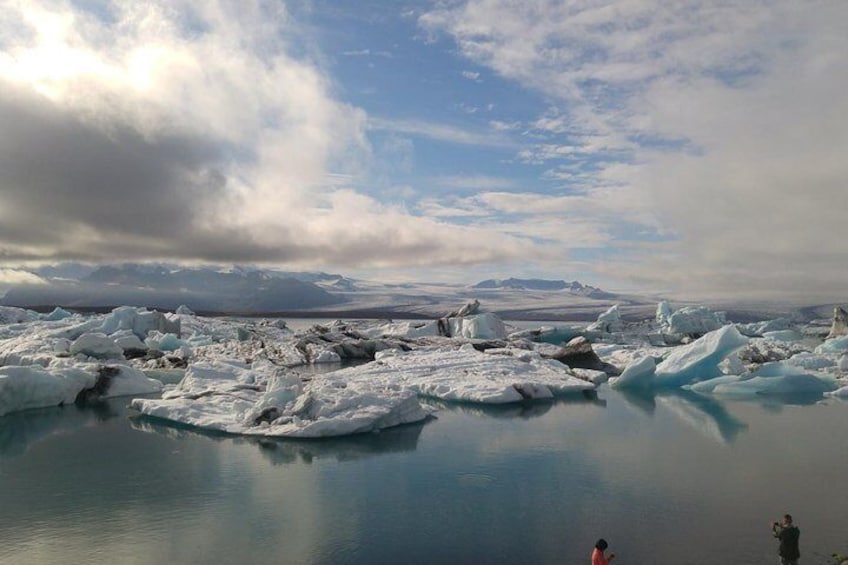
(260, 378)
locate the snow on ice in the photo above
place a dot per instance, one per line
(249, 376)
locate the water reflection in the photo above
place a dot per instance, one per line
(521, 410)
(21, 429)
(282, 451)
(703, 414)
(708, 415)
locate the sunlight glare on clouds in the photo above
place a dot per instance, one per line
(189, 131)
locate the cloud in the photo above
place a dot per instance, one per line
(440, 132)
(15, 277)
(474, 182)
(188, 131)
(722, 122)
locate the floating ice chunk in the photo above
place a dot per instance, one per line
(163, 342)
(140, 321)
(841, 392)
(56, 315)
(732, 365)
(709, 385)
(591, 375)
(12, 315)
(777, 369)
(700, 359)
(833, 345)
(467, 375)
(555, 335)
(246, 400)
(96, 345)
(637, 375)
(811, 361)
(787, 384)
(184, 310)
(843, 363)
(608, 322)
(127, 340)
(664, 312)
(403, 329)
(840, 322)
(127, 381)
(327, 356)
(757, 329)
(23, 388)
(478, 326)
(782, 335)
(693, 321)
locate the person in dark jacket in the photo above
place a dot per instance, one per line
(788, 534)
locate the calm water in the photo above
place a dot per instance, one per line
(667, 480)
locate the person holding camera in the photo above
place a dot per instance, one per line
(598, 557)
(788, 534)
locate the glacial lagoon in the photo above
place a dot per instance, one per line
(668, 479)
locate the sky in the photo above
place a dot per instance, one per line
(693, 147)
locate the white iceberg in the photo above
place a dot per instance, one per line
(639, 374)
(833, 345)
(693, 321)
(801, 383)
(24, 388)
(33, 386)
(811, 361)
(96, 345)
(757, 329)
(704, 359)
(608, 322)
(258, 400)
(467, 375)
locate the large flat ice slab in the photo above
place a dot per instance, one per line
(467, 375)
(264, 400)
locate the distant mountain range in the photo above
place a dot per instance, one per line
(156, 286)
(574, 287)
(249, 289)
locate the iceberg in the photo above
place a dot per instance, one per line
(257, 400)
(261, 398)
(798, 383)
(693, 321)
(639, 374)
(699, 360)
(56, 315)
(33, 386)
(833, 345)
(839, 327)
(782, 335)
(467, 375)
(24, 388)
(96, 345)
(608, 322)
(811, 361)
(757, 329)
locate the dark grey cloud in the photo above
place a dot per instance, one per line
(60, 171)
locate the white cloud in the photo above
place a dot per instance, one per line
(440, 132)
(474, 182)
(11, 277)
(188, 131)
(726, 122)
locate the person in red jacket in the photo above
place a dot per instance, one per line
(598, 557)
